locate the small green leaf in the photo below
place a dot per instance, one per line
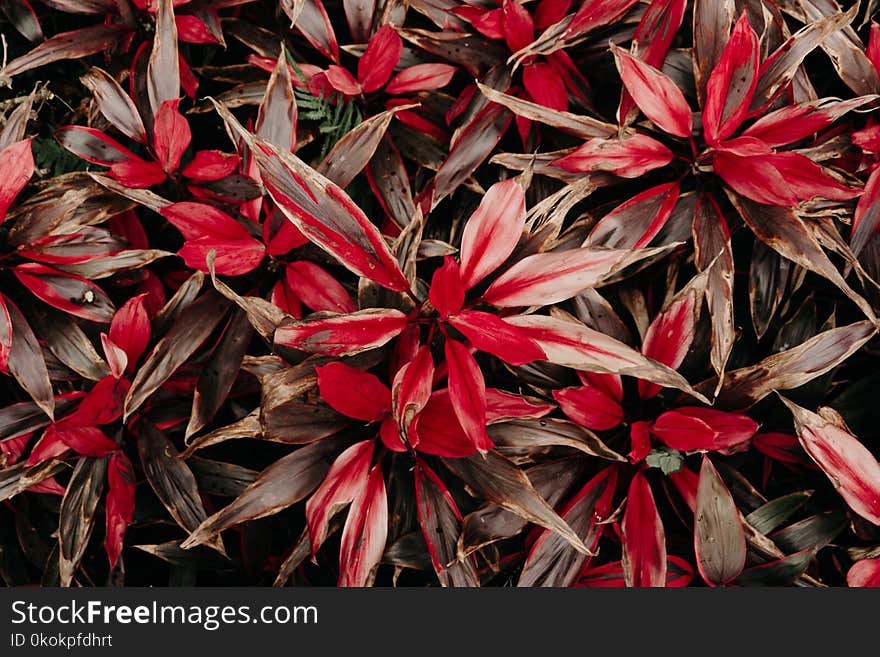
(667, 459)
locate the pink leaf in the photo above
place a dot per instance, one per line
(353, 392)
(850, 466)
(16, 168)
(629, 158)
(732, 83)
(467, 391)
(171, 135)
(669, 337)
(364, 533)
(516, 21)
(637, 221)
(421, 77)
(345, 479)
(492, 334)
(341, 80)
(542, 279)
(644, 541)
(590, 407)
(210, 165)
(492, 232)
(696, 428)
(116, 357)
(656, 94)
(865, 573)
(317, 288)
(411, 389)
(343, 335)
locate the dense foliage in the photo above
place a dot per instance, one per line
(542, 293)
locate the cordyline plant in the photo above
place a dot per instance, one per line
(557, 293)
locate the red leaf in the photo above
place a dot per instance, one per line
(796, 122)
(591, 15)
(850, 466)
(380, 58)
(492, 334)
(232, 257)
(668, 338)
(654, 35)
(550, 12)
(745, 164)
(447, 292)
(634, 223)
(867, 571)
(317, 288)
(343, 335)
(719, 539)
(656, 94)
(782, 447)
(421, 77)
(198, 220)
(171, 135)
(88, 441)
(610, 384)
(130, 328)
(488, 23)
(873, 49)
(545, 85)
(353, 392)
(732, 83)
(16, 168)
(191, 29)
(542, 279)
(695, 428)
(629, 158)
(364, 533)
(467, 391)
(102, 405)
(644, 541)
(806, 179)
(341, 80)
(639, 441)
(119, 504)
(210, 165)
(411, 389)
(72, 294)
(501, 405)
(438, 431)
(492, 232)
(590, 407)
(345, 479)
(137, 173)
(516, 21)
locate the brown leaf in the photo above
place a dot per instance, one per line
(276, 120)
(184, 337)
(390, 182)
(550, 432)
(67, 45)
(219, 372)
(712, 22)
(784, 231)
(26, 362)
(246, 427)
(792, 368)
(116, 105)
(495, 478)
(285, 482)
(171, 480)
(66, 340)
(350, 155)
(718, 533)
(163, 69)
(77, 516)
